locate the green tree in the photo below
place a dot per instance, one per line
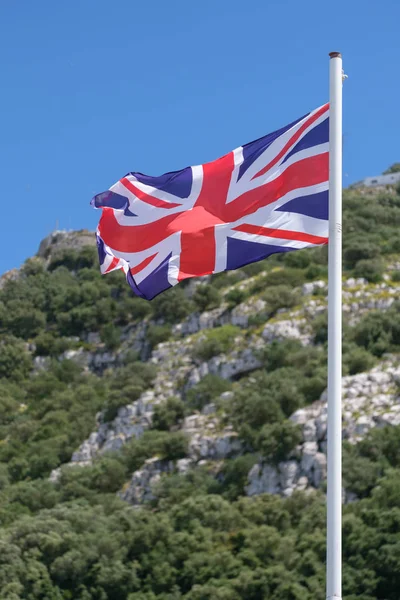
(15, 360)
(206, 297)
(168, 414)
(208, 389)
(277, 440)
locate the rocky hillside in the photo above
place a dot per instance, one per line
(205, 411)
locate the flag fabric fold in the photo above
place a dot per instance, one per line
(268, 196)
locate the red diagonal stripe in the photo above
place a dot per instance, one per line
(293, 140)
(282, 234)
(143, 264)
(133, 238)
(146, 197)
(303, 173)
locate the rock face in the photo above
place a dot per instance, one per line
(200, 321)
(9, 276)
(369, 400)
(63, 240)
(297, 329)
(373, 391)
(208, 444)
(131, 421)
(142, 485)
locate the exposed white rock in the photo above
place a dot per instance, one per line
(93, 337)
(240, 314)
(299, 417)
(297, 329)
(288, 472)
(263, 479)
(370, 400)
(141, 487)
(206, 320)
(309, 451)
(79, 356)
(310, 288)
(227, 396)
(319, 473)
(207, 445)
(302, 483)
(213, 447)
(41, 363)
(209, 409)
(62, 239)
(310, 431)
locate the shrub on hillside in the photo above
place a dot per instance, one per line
(282, 276)
(255, 268)
(105, 476)
(371, 269)
(132, 308)
(235, 475)
(226, 278)
(235, 297)
(165, 445)
(174, 446)
(359, 250)
(312, 387)
(207, 390)
(33, 266)
(23, 320)
(276, 440)
(126, 384)
(111, 336)
(168, 414)
(394, 168)
(316, 272)
(395, 276)
(379, 332)
(174, 489)
(250, 410)
(78, 320)
(356, 359)
(265, 398)
(278, 353)
(280, 296)
(15, 360)
(85, 257)
(320, 328)
(216, 341)
(172, 306)
(49, 344)
(206, 297)
(360, 474)
(299, 259)
(155, 334)
(365, 462)
(11, 398)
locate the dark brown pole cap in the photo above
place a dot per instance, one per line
(335, 55)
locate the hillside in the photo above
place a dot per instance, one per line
(176, 449)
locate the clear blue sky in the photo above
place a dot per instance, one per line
(92, 89)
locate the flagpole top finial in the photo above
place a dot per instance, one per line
(335, 55)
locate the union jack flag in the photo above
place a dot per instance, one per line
(267, 196)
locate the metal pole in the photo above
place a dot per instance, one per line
(334, 494)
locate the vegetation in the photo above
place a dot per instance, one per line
(216, 341)
(201, 538)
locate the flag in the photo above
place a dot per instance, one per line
(268, 196)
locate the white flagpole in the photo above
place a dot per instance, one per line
(334, 464)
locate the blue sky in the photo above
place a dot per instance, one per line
(92, 89)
